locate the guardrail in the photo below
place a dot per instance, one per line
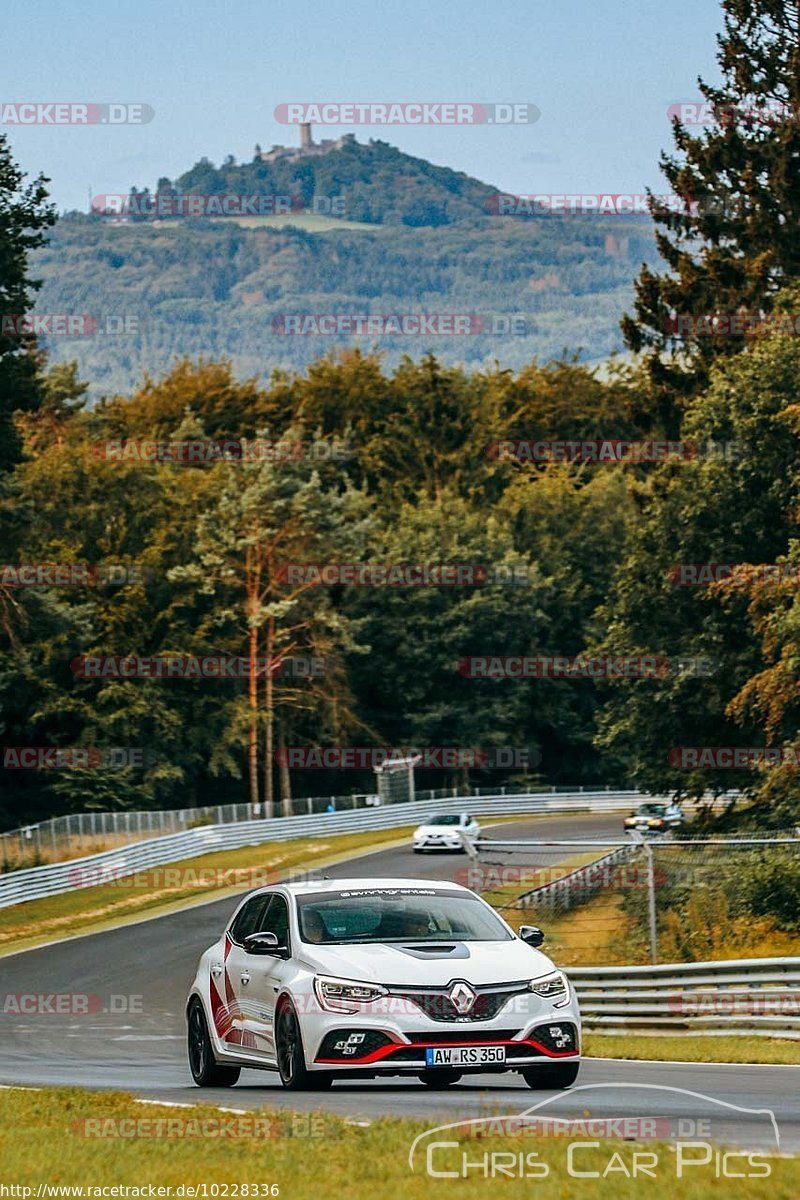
(742, 997)
(576, 887)
(60, 837)
(34, 883)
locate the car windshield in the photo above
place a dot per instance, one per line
(450, 819)
(651, 810)
(397, 915)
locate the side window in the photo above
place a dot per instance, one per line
(248, 919)
(276, 919)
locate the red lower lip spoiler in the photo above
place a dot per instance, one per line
(384, 1051)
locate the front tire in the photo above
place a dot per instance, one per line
(552, 1076)
(206, 1071)
(292, 1069)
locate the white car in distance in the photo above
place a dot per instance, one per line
(445, 831)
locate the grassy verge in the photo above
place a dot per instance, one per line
(70, 1137)
(163, 889)
(504, 895)
(179, 884)
(603, 932)
(694, 1048)
(585, 935)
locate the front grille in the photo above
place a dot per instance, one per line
(467, 1036)
(436, 1003)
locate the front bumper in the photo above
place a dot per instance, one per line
(379, 1052)
(438, 842)
(531, 1030)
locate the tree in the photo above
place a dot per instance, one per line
(770, 696)
(24, 216)
(63, 395)
(734, 244)
(731, 504)
(260, 516)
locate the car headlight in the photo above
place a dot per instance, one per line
(630, 820)
(345, 995)
(552, 987)
(656, 822)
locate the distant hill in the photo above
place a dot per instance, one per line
(419, 240)
(373, 182)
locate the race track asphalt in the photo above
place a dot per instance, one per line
(135, 1039)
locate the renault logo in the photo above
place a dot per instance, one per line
(462, 997)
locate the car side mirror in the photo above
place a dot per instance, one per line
(531, 935)
(263, 943)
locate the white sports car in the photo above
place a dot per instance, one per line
(445, 832)
(379, 977)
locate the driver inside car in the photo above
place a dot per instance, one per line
(313, 926)
(416, 925)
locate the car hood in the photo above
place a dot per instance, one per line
(440, 828)
(407, 964)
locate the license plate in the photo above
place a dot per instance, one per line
(464, 1056)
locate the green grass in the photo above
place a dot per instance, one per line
(175, 885)
(179, 884)
(694, 1048)
(504, 896)
(311, 222)
(44, 1138)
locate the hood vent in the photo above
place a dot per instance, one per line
(430, 950)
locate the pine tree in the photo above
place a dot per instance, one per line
(24, 215)
(734, 241)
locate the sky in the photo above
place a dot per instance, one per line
(601, 72)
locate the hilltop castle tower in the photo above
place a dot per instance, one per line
(307, 146)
